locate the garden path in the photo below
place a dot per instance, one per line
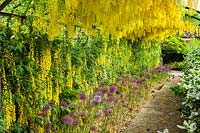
(160, 111)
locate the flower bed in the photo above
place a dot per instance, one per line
(107, 108)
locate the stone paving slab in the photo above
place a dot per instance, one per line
(160, 111)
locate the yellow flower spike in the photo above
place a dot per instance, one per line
(123, 19)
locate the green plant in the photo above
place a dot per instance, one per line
(165, 131)
(190, 85)
(190, 126)
(178, 90)
(177, 65)
(2, 124)
(174, 43)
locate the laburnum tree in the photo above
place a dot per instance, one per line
(133, 19)
(36, 71)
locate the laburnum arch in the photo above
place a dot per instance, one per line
(133, 19)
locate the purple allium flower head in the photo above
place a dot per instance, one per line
(112, 89)
(63, 104)
(97, 99)
(68, 120)
(47, 107)
(82, 96)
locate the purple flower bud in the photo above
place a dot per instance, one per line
(46, 107)
(112, 89)
(63, 104)
(43, 115)
(135, 88)
(93, 128)
(134, 84)
(97, 99)
(82, 96)
(52, 104)
(98, 114)
(98, 92)
(83, 115)
(123, 83)
(112, 99)
(68, 120)
(118, 92)
(108, 111)
(104, 91)
(48, 127)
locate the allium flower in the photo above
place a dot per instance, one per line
(82, 96)
(97, 99)
(68, 120)
(63, 104)
(112, 89)
(47, 107)
(104, 90)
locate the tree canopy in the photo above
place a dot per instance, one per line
(133, 19)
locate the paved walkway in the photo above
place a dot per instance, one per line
(160, 111)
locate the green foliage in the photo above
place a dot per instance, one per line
(174, 43)
(177, 90)
(190, 83)
(2, 124)
(177, 65)
(193, 44)
(123, 58)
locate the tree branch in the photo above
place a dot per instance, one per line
(4, 4)
(192, 9)
(11, 15)
(192, 17)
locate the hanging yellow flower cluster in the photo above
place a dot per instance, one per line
(134, 19)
